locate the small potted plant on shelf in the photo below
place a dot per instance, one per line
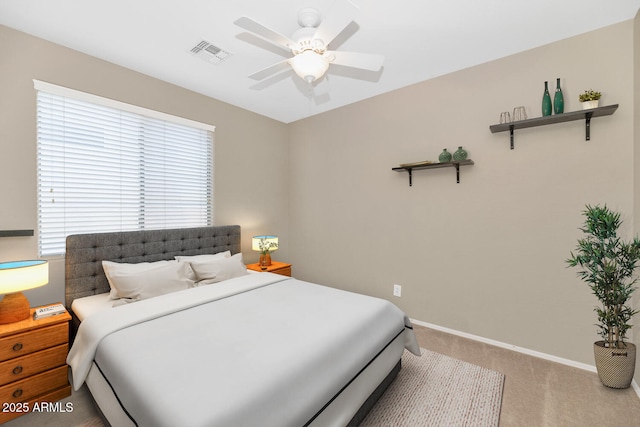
(607, 265)
(590, 99)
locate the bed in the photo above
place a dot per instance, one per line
(241, 349)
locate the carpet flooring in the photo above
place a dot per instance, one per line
(539, 392)
(437, 390)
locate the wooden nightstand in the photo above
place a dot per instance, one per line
(33, 365)
(275, 267)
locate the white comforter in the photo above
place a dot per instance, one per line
(261, 349)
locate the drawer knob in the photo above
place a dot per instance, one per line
(17, 347)
(17, 370)
(17, 393)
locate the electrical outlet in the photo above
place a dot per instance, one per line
(397, 290)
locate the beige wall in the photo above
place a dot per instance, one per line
(241, 150)
(485, 256)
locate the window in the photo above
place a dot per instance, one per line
(108, 166)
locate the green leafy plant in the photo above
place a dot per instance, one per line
(607, 265)
(589, 95)
(266, 246)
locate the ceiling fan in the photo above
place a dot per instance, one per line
(309, 45)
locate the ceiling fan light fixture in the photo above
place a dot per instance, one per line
(309, 65)
(310, 43)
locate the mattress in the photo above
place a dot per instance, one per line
(281, 347)
(86, 306)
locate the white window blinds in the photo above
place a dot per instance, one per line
(104, 169)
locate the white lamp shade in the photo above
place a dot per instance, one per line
(18, 276)
(269, 242)
(309, 65)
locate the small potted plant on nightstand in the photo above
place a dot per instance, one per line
(590, 99)
(607, 265)
(265, 244)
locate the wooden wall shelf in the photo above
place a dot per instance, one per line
(585, 115)
(15, 233)
(456, 165)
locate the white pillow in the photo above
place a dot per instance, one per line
(204, 257)
(147, 279)
(213, 271)
(117, 269)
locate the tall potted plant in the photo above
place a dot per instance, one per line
(607, 265)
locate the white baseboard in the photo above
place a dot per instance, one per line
(561, 360)
(634, 384)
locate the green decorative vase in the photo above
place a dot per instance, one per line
(558, 100)
(445, 156)
(460, 155)
(546, 100)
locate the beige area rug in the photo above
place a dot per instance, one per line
(437, 390)
(92, 422)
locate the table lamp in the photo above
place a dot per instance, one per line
(15, 277)
(264, 245)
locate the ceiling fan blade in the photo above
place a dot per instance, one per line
(270, 70)
(365, 61)
(341, 14)
(267, 33)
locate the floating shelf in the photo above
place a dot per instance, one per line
(456, 165)
(585, 115)
(15, 233)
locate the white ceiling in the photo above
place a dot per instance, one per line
(420, 39)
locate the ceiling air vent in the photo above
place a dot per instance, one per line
(209, 52)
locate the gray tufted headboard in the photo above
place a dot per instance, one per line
(84, 275)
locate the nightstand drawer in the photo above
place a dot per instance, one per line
(33, 386)
(31, 364)
(30, 342)
(283, 271)
(50, 397)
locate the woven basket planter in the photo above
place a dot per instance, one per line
(615, 365)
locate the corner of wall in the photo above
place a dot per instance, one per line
(636, 160)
